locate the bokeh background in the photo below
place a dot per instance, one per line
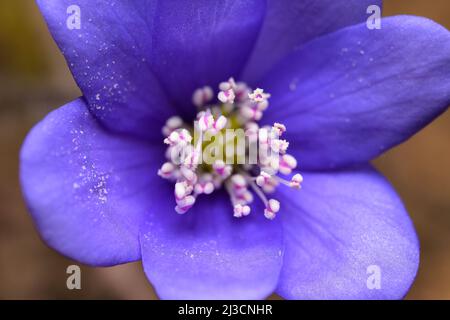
(34, 80)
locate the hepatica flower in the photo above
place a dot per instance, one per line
(121, 175)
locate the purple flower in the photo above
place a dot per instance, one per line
(345, 93)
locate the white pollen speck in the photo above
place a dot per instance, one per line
(293, 84)
(97, 96)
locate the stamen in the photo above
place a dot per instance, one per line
(251, 113)
(240, 210)
(179, 137)
(272, 205)
(219, 124)
(251, 131)
(205, 120)
(258, 95)
(279, 146)
(185, 204)
(205, 184)
(182, 189)
(241, 91)
(258, 192)
(226, 94)
(167, 170)
(202, 96)
(272, 208)
(172, 124)
(237, 106)
(227, 85)
(222, 169)
(245, 197)
(287, 164)
(280, 128)
(238, 182)
(188, 174)
(296, 180)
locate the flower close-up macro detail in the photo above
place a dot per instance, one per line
(125, 172)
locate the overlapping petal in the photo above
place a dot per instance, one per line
(349, 96)
(110, 59)
(347, 236)
(202, 42)
(88, 191)
(289, 24)
(135, 60)
(209, 254)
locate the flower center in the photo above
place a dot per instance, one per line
(225, 147)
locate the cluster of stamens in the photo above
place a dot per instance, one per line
(238, 107)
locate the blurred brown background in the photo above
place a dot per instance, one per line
(35, 80)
